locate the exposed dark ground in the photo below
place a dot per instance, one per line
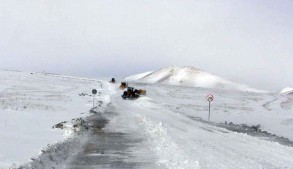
(96, 147)
(106, 149)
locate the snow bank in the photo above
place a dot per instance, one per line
(188, 76)
(170, 154)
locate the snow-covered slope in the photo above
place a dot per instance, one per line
(137, 77)
(188, 76)
(31, 103)
(287, 91)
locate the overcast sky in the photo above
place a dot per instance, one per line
(248, 41)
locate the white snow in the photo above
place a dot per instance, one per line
(137, 77)
(167, 118)
(181, 142)
(170, 154)
(31, 103)
(188, 76)
(271, 111)
(287, 91)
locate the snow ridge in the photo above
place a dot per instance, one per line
(166, 148)
(188, 76)
(287, 91)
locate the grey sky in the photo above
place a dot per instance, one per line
(248, 41)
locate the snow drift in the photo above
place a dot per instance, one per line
(188, 76)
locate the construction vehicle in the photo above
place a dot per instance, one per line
(140, 91)
(112, 80)
(123, 85)
(132, 93)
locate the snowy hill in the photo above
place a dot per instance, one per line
(137, 77)
(287, 91)
(188, 76)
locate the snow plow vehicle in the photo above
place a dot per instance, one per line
(132, 93)
(140, 92)
(123, 85)
(112, 80)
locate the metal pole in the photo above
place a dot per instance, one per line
(94, 101)
(209, 110)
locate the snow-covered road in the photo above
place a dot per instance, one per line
(114, 141)
(175, 141)
(160, 131)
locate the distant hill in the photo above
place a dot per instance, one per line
(188, 76)
(287, 91)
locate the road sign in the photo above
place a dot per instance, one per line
(210, 98)
(94, 91)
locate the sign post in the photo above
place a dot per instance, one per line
(210, 98)
(94, 91)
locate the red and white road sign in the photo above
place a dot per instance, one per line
(210, 97)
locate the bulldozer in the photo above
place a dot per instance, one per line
(112, 80)
(132, 93)
(123, 85)
(140, 91)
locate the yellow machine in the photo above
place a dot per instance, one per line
(123, 85)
